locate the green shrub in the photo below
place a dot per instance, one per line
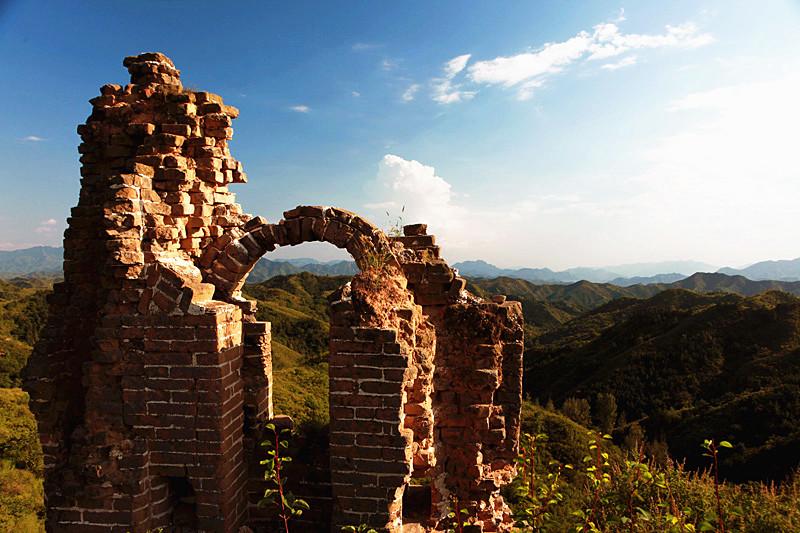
(19, 440)
(21, 500)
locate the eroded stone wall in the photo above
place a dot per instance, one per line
(153, 378)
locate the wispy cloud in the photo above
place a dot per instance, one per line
(300, 108)
(388, 64)
(46, 226)
(410, 92)
(33, 139)
(608, 41)
(445, 91)
(622, 63)
(530, 70)
(355, 94)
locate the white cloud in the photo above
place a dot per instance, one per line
(422, 195)
(722, 188)
(526, 90)
(609, 42)
(622, 63)
(300, 108)
(33, 138)
(355, 94)
(445, 91)
(529, 70)
(511, 70)
(408, 177)
(388, 64)
(46, 226)
(410, 92)
(456, 65)
(388, 204)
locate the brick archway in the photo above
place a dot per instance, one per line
(229, 260)
(380, 360)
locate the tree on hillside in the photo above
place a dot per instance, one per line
(605, 411)
(634, 437)
(578, 410)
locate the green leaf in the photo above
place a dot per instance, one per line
(302, 504)
(725, 444)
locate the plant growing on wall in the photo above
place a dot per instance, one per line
(395, 228)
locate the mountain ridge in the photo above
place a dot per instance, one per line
(47, 260)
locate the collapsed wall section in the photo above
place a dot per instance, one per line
(155, 171)
(375, 331)
(476, 390)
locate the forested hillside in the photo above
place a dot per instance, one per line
(547, 306)
(23, 311)
(687, 365)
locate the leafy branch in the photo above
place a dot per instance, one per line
(275, 494)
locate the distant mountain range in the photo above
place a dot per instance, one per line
(786, 270)
(266, 268)
(663, 272)
(46, 260)
(633, 274)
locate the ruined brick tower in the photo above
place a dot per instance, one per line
(153, 378)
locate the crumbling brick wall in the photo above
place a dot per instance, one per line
(152, 377)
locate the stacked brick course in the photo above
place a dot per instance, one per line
(152, 377)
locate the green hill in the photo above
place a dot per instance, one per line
(23, 311)
(688, 366)
(297, 306)
(548, 306)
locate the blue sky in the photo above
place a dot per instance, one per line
(525, 133)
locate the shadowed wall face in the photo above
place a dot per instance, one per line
(152, 378)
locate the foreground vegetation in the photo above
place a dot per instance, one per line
(576, 479)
